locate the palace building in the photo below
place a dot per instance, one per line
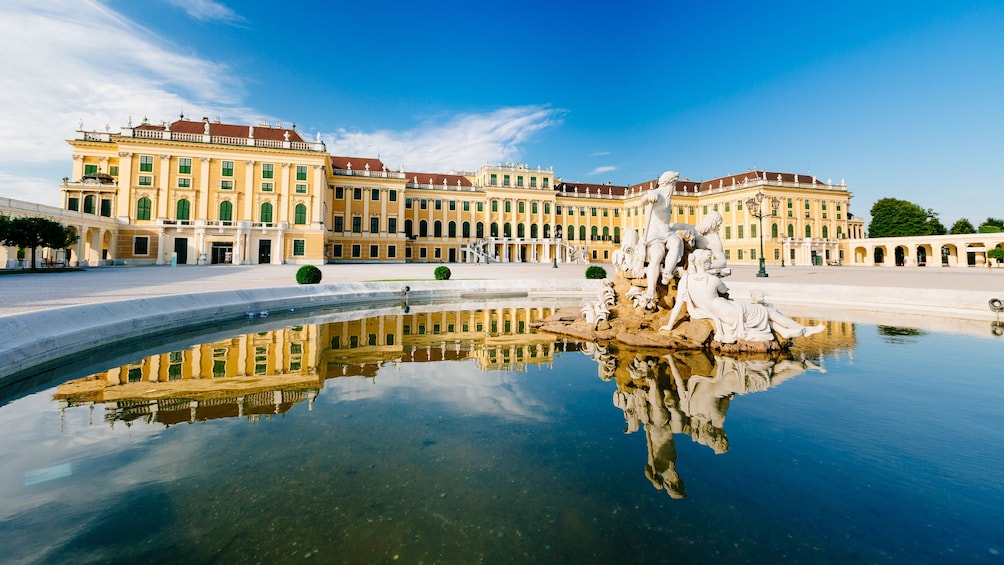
(205, 192)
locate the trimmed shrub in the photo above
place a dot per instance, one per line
(442, 273)
(596, 272)
(308, 274)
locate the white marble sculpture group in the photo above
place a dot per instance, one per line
(658, 257)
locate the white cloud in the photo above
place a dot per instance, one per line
(599, 153)
(67, 61)
(465, 141)
(207, 10)
(600, 170)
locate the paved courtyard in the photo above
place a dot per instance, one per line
(28, 292)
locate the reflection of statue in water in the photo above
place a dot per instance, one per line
(706, 297)
(655, 391)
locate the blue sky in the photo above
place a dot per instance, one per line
(899, 99)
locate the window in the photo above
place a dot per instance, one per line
(301, 189)
(495, 206)
(546, 182)
(300, 214)
(452, 229)
(582, 211)
(145, 180)
(146, 163)
(374, 251)
(267, 187)
(91, 204)
(777, 254)
(439, 204)
(357, 194)
(752, 230)
(184, 166)
(481, 206)
(184, 182)
(142, 208)
(773, 231)
(375, 224)
(73, 204)
(739, 254)
(375, 194)
(339, 192)
(519, 181)
(808, 231)
(106, 207)
(227, 169)
(391, 251)
(753, 254)
(336, 250)
(453, 205)
(533, 182)
(505, 180)
(826, 232)
(226, 212)
(90, 169)
(727, 206)
(339, 224)
(522, 207)
(392, 195)
(791, 230)
(592, 212)
(392, 225)
(357, 224)
(226, 185)
(423, 204)
(140, 245)
(547, 207)
(739, 231)
(301, 172)
(728, 232)
(266, 213)
(806, 203)
(114, 171)
(557, 209)
(183, 209)
(423, 253)
(267, 171)
(437, 229)
(299, 247)
(407, 203)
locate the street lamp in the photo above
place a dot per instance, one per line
(557, 248)
(755, 202)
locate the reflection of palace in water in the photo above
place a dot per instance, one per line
(688, 392)
(266, 373)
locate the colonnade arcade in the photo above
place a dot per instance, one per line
(956, 250)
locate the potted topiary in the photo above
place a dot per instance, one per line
(308, 274)
(596, 272)
(442, 273)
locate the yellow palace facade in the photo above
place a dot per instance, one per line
(204, 192)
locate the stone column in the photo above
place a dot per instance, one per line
(161, 242)
(162, 188)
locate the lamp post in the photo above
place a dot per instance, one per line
(557, 247)
(755, 202)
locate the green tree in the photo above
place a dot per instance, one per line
(962, 225)
(992, 225)
(32, 233)
(892, 217)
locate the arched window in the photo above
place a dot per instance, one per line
(480, 230)
(466, 229)
(826, 232)
(606, 233)
(183, 209)
(300, 214)
(226, 212)
(533, 231)
(773, 230)
(408, 228)
(437, 229)
(495, 229)
(791, 230)
(582, 233)
(142, 208)
(423, 228)
(507, 228)
(520, 230)
(451, 229)
(570, 233)
(594, 233)
(617, 234)
(808, 231)
(90, 204)
(840, 233)
(547, 231)
(266, 213)
(557, 231)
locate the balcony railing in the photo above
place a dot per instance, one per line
(204, 138)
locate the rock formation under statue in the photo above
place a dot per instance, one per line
(668, 292)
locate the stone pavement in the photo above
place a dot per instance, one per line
(30, 292)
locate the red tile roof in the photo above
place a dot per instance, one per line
(357, 163)
(583, 187)
(437, 179)
(234, 130)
